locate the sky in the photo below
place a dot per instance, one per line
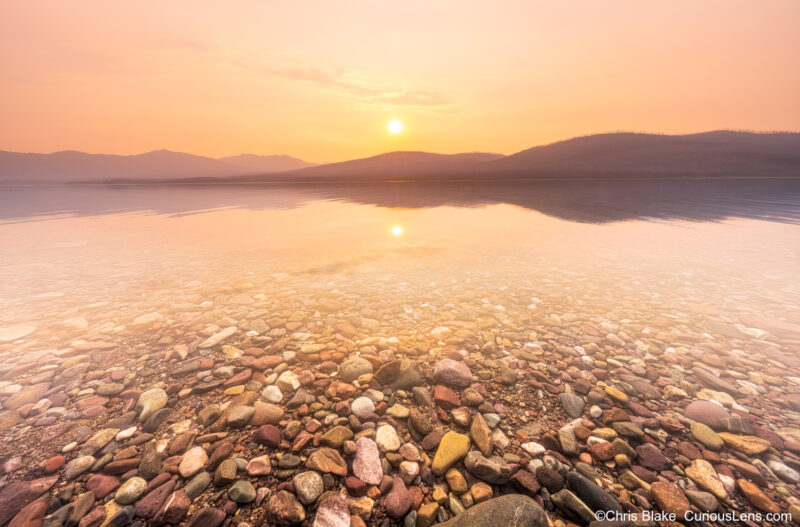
(320, 80)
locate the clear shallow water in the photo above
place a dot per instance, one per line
(703, 256)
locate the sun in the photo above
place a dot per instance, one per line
(397, 230)
(395, 126)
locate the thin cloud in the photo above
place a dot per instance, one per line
(363, 91)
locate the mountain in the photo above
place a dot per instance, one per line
(625, 155)
(68, 166)
(393, 165)
(720, 154)
(255, 164)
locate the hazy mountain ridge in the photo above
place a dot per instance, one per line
(71, 165)
(718, 154)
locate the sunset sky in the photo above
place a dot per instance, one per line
(320, 80)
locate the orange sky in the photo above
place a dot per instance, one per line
(320, 79)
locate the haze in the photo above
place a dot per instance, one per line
(320, 80)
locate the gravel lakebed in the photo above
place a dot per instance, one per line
(334, 399)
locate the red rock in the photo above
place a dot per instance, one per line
(102, 485)
(121, 466)
(94, 518)
(757, 497)
(173, 510)
(525, 482)
(53, 464)
(669, 498)
(31, 515)
(90, 402)
(268, 435)
(445, 397)
(651, 457)
(16, 495)
(355, 487)
(148, 506)
(398, 501)
(603, 451)
(706, 412)
(207, 517)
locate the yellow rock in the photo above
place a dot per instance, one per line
(702, 473)
(750, 445)
(234, 390)
(452, 449)
(616, 394)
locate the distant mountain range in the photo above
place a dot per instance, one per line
(719, 154)
(70, 166)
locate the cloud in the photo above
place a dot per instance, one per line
(359, 89)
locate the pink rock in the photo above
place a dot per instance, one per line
(259, 466)
(399, 500)
(367, 463)
(193, 462)
(332, 512)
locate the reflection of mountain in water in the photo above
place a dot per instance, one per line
(581, 201)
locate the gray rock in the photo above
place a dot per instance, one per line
(514, 510)
(353, 368)
(308, 486)
(572, 404)
(592, 495)
(492, 469)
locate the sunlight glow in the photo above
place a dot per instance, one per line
(395, 126)
(397, 230)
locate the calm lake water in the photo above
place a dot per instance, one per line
(705, 256)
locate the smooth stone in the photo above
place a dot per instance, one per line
(353, 368)
(591, 494)
(706, 436)
(362, 407)
(242, 492)
(193, 462)
(130, 491)
(308, 486)
(399, 500)
(703, 474)
(573, 404)
(706, 412)
(367, 462)
(453, 372)
(78, 466)
(387, 439)
(327, 460)
(259, 466)
(150, 401)
(515, 510)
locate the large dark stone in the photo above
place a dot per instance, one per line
(592, 495)
(399, 374)
(511, 510)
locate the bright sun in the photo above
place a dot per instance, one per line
(397, 230)
(395, 126)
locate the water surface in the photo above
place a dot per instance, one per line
(709, 257)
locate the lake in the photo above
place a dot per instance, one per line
(149, 314)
